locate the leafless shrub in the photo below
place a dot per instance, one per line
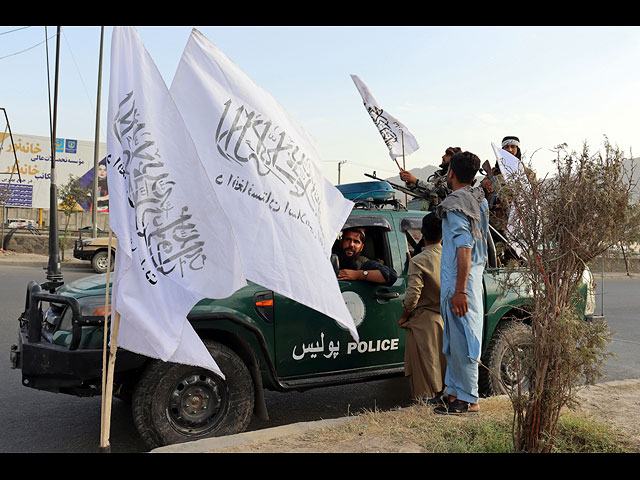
(561, 223)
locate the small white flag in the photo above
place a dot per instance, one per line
(396, 136)
(170, 227)
(509, 166)
(268, 176)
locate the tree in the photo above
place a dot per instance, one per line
(561, 224)
(71, 194)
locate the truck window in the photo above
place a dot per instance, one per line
(376, 245)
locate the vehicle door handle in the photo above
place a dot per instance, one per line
(386, 295)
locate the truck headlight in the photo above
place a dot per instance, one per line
(89, 307)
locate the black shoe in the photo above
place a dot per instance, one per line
(457, 407)
(436, 401)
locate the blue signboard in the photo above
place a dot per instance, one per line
(70, 146)
(19, 195)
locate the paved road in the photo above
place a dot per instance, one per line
(621, 303)
(35, 421)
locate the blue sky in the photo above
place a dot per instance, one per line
(451, 86)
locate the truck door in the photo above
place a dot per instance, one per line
(309, 343)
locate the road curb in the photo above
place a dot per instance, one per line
(44, 264)
(239, 439)
(219, 444)
(15, 259)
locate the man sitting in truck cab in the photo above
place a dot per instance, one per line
(355, 266)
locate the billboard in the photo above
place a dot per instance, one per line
(31, 187)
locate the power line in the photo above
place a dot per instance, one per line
(27, 49)
(14, 30)
(78, 70)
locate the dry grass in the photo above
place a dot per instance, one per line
(417, 429)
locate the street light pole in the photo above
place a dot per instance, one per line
(339, 167)
(54, 273)
(96, 148)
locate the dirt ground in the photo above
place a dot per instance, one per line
(615, 403)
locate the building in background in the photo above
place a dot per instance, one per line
(31, 187)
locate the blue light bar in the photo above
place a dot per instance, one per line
(376, 191)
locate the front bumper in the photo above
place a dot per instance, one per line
(59, 368)
(80, 253)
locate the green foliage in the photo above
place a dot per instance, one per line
(71, 194)
(561, 224)
(579, 434)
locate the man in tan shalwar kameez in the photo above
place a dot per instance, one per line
(424, 362)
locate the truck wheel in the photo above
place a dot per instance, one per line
(504, 358)
(175, 403)
(99, 262)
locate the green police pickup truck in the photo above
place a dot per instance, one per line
(260, 339)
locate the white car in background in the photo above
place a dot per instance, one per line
(22, 223)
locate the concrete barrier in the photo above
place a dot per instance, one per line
(27, 242)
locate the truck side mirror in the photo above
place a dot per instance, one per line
(335, 263)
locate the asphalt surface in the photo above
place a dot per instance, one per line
(210, 444)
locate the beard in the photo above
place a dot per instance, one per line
(348, 262)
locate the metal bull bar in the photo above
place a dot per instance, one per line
(35, 295)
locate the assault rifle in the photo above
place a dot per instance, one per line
(434, 193)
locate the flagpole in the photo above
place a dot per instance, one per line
(106, 392)
(106, 447)
(404, 166)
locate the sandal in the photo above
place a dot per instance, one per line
(457, 407)
(438, 401)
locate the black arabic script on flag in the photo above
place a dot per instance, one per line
(382, 122)
(244, 135)
(171, 238)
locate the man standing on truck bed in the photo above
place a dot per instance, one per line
(464, 214)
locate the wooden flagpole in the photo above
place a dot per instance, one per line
(404, 167)
(107, 370)
(109, 387)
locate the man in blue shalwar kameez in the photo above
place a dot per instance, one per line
(465, 215)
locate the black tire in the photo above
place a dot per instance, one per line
(99, 262)
(215, 406)
(509, 338)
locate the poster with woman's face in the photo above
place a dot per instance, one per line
(103, 188)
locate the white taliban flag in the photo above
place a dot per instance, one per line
(163, 209)
(510, 166)
(268, 177)
(396, 136)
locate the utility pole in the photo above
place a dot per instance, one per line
(340, 162)
(54, 273)
(96, 149)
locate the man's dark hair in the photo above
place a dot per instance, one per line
(358, 230)
(452, 151)
(465, 165)
(432, 228)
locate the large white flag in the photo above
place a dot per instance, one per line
(396, 136)
(175, 244)
(268, 177)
